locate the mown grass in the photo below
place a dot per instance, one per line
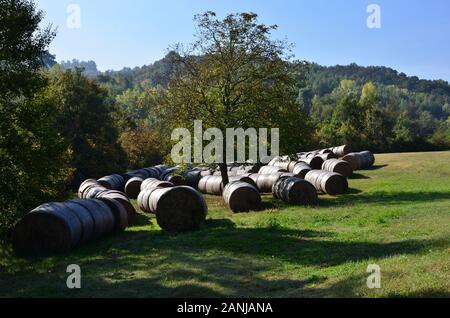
(397, 216)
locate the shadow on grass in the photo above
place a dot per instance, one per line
(383, 197)
(375, 167)
(218, 260)
(358, 176)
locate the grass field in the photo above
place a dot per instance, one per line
(397, 215)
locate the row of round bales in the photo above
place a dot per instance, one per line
(177, 208)
(57, 227)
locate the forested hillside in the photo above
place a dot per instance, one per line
(388, 110)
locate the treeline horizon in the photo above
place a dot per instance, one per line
(408, 113)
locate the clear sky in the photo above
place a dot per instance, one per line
(414, 36)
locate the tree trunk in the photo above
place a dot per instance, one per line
(223, 166)
(224, 173)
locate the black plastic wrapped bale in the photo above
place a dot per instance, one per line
(241, 196)
(339, 166)
(294, 190)
(133, 187)
(328, 182)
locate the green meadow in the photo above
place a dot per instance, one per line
(396, 215)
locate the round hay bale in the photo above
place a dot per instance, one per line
(160, 169)
(339, 166)
(143, 200)
(367, 159)
(341, 151)
(155, 183)
(152, 172)
(100, 213)
(175, 179)
(327, 156)
(324, 151)
(241, 196)
(192, 178)
(133, 187)
(119, 213)
(179, 208)
(121, 198)
(270, 170)
(328, 182)
(294, 190)
(211, 185)
(353, 159)
(314, 162)
(242, 178)
(85, 185)
(93, 191)
(301, 169)
(51, 228)
(86, 220)
(112, 182)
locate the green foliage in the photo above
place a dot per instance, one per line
(85, 121)
(142, 146)
(381, 118)
(33, 157)
(236, 75)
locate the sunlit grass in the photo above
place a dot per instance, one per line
(397, 215)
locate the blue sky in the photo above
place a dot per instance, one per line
(414, 36)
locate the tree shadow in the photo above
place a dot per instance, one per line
(356, 176)
(383, 197)
(376, 167)
(141, 219)
(218, 260)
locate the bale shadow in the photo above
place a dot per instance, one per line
(355, 196)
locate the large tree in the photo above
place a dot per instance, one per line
(86, 123)
(33, 157)
(235, 75)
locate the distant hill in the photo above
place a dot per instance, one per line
(379, 75)
(89, 67)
